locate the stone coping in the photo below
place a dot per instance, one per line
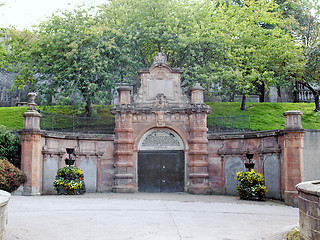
(4, 198)
(71, 135)
(245, 134)
(310, 187)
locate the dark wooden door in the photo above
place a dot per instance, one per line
(161, 171)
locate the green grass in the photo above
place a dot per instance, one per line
(11, 117)
(268, 116)
(263, 116)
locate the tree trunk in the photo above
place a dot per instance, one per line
(88, 108)
(279, 99)
(243, 103)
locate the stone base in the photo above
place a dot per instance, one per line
(124, 189)
(199, 189)
(291, 198)
(29, 191)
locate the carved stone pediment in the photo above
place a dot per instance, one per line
(160, 86)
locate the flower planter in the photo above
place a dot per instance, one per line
(69, 180)
(253, 198)
(63, 191)
(69, 161)
(249, 165)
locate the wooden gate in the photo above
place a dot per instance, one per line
(161, 171)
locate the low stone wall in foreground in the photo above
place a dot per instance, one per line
(4, 199)
(309, 210)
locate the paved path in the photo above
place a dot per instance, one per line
(146, 216)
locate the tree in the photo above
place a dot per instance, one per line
(260, 52)
(175, 27)
(306, 29)
(236, 46)
(72, 57)
(311, 79)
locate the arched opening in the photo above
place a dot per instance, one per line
(161, 163)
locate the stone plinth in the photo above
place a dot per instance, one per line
(124, 95)
(4, 199)
(309, 210)
(292, 120)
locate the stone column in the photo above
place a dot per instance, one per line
(198, 143)
(292, 167)
(124, 175)
(31, 161)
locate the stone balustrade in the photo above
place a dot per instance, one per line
(309, 210)
(4, 199)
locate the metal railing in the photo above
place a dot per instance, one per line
(228, 124)
(64, 123)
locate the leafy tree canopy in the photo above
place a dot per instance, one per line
(77, 56)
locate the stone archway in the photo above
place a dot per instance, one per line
(161, 164)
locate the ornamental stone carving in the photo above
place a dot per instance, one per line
(158, 139)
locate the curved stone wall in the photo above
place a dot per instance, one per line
(4, 199)
(309, 210)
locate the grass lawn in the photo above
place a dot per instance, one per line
(263, 116)
(268, 116)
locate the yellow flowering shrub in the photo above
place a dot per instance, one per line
(70, 180)
(251, 184)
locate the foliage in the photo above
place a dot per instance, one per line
(71, 178)
(77, 57)
(216, 42)
(293, 235)
(72, 58)
(10, 176)
(10, 146)
(251, 184)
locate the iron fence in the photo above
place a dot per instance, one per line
(64, 123)
(228, 124)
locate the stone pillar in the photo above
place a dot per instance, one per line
(198, 143)
(292, 167)
(124, 175)
(31, 163)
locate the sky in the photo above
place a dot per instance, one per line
(24, 13)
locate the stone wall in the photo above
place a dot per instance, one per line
(4, 199)
(310, 155)
(309, 210)
(227, 155)
(10, 98)
(94, 155)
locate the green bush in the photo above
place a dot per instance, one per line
(10, 176)
(69, 180)
(10, 146)
(251, 185)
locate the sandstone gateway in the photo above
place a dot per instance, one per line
(161, 144)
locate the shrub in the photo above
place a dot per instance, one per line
(251, 185)
(10, 176)
(10, 146)
(69, 180)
